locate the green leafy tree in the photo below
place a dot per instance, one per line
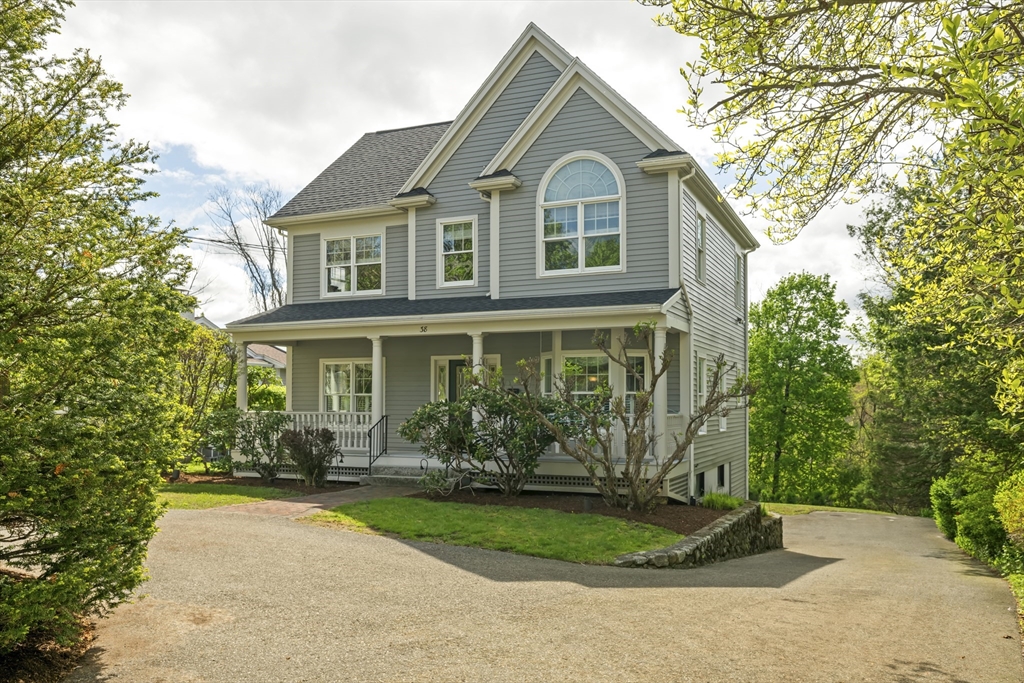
(803, 374)
(89, 330)
(206, 370)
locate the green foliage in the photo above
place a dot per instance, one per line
(500, 446)
(436, 483)
(1009, 502)
(720, 501)
(259, 442)
(206, 369)
(799, 432)
(589, 539)
(312, 451)
(943, 492)
(219, 430)
(265, 390)
(89, 333)
(205, 496)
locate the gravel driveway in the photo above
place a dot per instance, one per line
(263, 598)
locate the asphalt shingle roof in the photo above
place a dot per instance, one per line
(385, 308)
(369, 173)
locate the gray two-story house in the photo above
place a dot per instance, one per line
(548, 209)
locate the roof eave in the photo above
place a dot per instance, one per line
(359, 212)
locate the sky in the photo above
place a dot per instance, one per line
(232, 93)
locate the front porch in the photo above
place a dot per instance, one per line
(363, 382)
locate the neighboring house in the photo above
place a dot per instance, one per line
(549, 208)
(263, 355)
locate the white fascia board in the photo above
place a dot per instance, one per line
(707, 190)
(361, 212)
(531, 40)
(672, 301)
(577, 75)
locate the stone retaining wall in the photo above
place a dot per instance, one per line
(740, 533)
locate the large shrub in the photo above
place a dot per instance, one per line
(312, 451)
(89, 335)
(942, 494)
(259, 442)
(485, 435)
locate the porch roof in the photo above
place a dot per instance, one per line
(386, 308)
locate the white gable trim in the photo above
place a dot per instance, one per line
(532, 40)
(576, 77)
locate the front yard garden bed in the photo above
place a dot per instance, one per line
(548, 533)
(682, 519)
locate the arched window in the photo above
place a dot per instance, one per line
(581, 219)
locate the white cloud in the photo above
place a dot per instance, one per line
(277, 90)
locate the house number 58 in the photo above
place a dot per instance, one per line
(423, 328)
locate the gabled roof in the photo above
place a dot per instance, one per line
(369, 173)
(576, 76)
(532, 40)
(323, 311)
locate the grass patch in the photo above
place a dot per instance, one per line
(203, 496)
(587, 539)
(800, 509)
(720, 501)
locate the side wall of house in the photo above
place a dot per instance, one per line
(718, 328)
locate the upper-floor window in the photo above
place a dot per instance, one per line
(353, 265)
(581, 216)
(702, 248)
(456, 254)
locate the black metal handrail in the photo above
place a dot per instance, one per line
(378, 437)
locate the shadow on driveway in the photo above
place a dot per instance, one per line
(774, 569)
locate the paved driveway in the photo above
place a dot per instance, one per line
(264, 598)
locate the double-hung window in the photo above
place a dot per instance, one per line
(581, 219)
(354, 265)
(456, 252)
(702, 244)
(584, 374)
(347, 386)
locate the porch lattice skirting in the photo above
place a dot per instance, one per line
(740, 533)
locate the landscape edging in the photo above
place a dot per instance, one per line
(739, 533)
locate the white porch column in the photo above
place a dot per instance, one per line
(288, 378)
(478, 352)
(494, 271)
(412, 253)
(660, 393)
(377, 387)
(242, 388)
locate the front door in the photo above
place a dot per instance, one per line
(457, 378)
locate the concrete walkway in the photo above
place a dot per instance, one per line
(307, 505)
(853, 599)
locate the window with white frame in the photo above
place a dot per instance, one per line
(702, 243)
(456, 257)
(449, 375)
(353, 265)
(584, 374)
(547, 386)
(702, 390)
(347, 386)
(737, 281)
(581, 219)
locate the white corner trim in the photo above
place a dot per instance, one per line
(290, 268)
(674, 237)
(538, 202)
(411, 254)
(438, 245)
(576, 76)
(531, 40)
(494, 244)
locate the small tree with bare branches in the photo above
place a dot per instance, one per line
(587, 427)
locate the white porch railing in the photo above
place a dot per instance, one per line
(350, 429)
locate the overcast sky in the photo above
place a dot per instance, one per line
(231, 93)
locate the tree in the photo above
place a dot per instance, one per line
(206, 370)
(803, 374)
(586, 426)
(89, 331)
(312, 451)
(240, 219)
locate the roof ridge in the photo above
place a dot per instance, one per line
(422, 125)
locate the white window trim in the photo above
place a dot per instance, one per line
(324, 239)
(541, 205)
(702, 364)
(701, 250)
(369, 361)
(637, 353)
(489, 360)
(441, 222)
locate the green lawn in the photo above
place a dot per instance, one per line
(202, 496)
(799, 509)
(584, 538)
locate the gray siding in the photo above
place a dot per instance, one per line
(451, 186)
(584, 125)
(305, 275)
(306, 265)
(672, 376)
(715, 330)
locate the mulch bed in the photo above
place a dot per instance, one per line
(682, 519)
(40, 660)
(288, 484)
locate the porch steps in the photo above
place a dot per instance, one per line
(392, 476)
